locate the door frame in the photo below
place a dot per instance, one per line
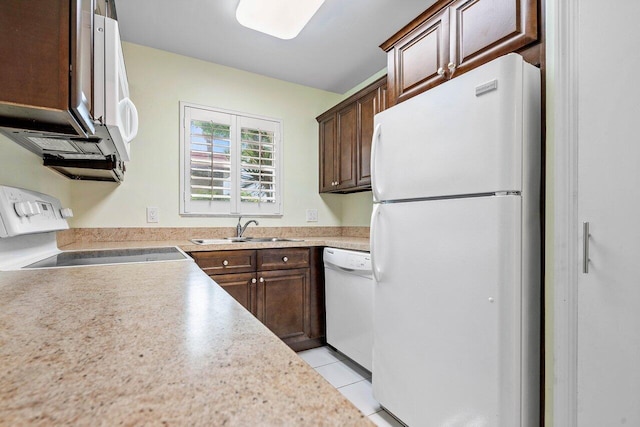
(562, 99)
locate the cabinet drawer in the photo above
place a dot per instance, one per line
(223, 262)
(281, 259)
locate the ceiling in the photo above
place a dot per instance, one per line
(337, 50)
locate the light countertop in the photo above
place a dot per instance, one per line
(151, 344)
(353, 243)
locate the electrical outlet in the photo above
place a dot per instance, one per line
(312, 215)
(153, 214)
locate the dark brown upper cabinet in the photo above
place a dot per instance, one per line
(417, 62)
(347, 145)
(47, 65)
(453, 37)
(345, 140)
(327, 152)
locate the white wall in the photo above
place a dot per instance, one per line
(158, 81)
(21, 168)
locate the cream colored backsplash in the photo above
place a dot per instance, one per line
(158, 81)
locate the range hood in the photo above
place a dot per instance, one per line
(107, 169)
(94, 158)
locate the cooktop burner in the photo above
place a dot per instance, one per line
(110, 256)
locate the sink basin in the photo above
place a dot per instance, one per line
(263, 239)
(209, 241)
(242, 240)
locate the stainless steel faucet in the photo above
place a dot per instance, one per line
(241, 228)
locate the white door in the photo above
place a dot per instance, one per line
(476, 125)
(448, 313)
(608, 330)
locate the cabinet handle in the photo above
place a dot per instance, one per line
(285, 259)
(253, 280)
(440, 71)
(451, 66)
(262, 280)
(225, 262)
(585, 247)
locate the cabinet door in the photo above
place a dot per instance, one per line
(327, 153)
(241, 286)
(283, 301)
(47, 55)
(382, 98)
(482, 30)
(368, 106)
(346, 145)
(604, 301)
(415, 60)
(35, 44)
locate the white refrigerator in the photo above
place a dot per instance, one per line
(455, 244)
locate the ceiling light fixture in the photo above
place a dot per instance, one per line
(279, 18)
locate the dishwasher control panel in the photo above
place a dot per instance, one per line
(349, 260)
(358, 263)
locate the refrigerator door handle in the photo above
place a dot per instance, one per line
(374, 150)
(585, 248)
(374, 221)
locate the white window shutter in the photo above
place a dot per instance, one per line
(231, 163)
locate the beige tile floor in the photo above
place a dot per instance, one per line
(351, 380)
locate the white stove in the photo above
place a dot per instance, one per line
(29, 221)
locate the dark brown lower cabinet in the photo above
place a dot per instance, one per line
(282, 287)
(241, 286)
(284, 304)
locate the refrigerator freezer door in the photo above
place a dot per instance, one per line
(447, 311)
(465, 136)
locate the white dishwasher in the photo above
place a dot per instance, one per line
(349, 303)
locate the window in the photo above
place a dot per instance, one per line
(230, 163)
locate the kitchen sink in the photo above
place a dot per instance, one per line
(209, 241)
(265, 239)
(242, 240)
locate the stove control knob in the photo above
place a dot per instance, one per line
(66, 212)
(27, 209)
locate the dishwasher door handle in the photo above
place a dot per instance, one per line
(339, 268)
(347, 270)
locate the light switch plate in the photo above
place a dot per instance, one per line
(153, 214)
(312, 215)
